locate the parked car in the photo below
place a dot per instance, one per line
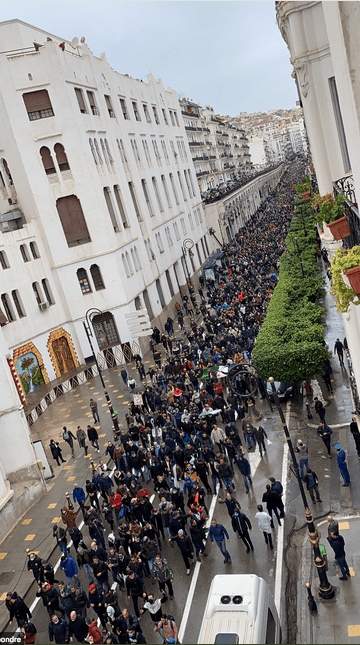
(283, 390)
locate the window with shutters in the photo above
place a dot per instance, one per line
(176, 118)
(184, 150)
(159, 242)
(199, 213)
(174, 151)
(156, 118)
(124, 109)
(122, 151)
(104, 151)
(180, 150)
(47, 290)
(181, 186)
(196, 217)
(72, 220)
(176, 230)
(187, 183)
(134, 200)
(61, 157)
(129, 263)
(191, 222)
(172, 117)
(96, 277)
(93, 151)
(83, 281)
(109, 204)
(157, 153)
(183, 226)
(134, 259)
(136, 152)
(146, 112)
(47, 161)
(38, 105)
(108, 151)
(163, 145)
(120, 205)
(136, 111)
(147, 153)
(126, 267)
(147, 198)
(34, 250)
(24, 252)
(137, 257)
(7, 307)
(80, 99)
(3, 260)
(109, 106)
(97, 150)
(38, 293)
(7, 171)
(168, 236)
(165, 117)
(172, 181)
(93, 107)
(167, 195)
(191, 182)
(18, 303)
(157, 193)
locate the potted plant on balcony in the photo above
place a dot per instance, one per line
(345, 282)
(332, 212)
(304, 188)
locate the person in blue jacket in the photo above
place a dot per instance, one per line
(217, 534)
(69, 566)
(79, 496)
(341, 462)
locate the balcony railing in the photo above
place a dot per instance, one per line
(195, 143)
(190, 127)
(346, 186)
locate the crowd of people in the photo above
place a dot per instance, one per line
(182, 441)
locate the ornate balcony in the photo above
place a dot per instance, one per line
(346, 185)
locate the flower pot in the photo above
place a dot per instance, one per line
(354, 277)
(340, 228)
(306, 195)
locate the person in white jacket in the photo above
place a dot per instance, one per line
(264, 521)
(218, 437)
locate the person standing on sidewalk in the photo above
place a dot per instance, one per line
(354, 429)
(69, 438)
(325, 432)
(278, 488)
(81, 437)
(337, 543)
(264, 521)
(339, 350)
(94, 410)
(302, 449)
(341, 462)
(312, 484)
(93, 437)
(319, 409)
(218, 533)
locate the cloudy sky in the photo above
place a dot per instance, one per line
(226, 54)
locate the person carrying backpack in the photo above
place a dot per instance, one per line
(167, 629)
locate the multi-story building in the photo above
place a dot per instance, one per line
(220, 151)
(97, 195)
(323, 40)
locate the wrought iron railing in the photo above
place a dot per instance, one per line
(346, 186)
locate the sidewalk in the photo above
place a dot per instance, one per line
(34, 530)
(336, 620)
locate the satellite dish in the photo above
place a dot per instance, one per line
(74, 43)
(82, 40)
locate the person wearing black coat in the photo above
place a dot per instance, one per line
(242, 525)
(80, 601)
(78, 627)
(58, 630)
(34, 564)
(231, 503)
(356, 434)
(19, 610)
(135, 589)
(96, 600)
(260, 435)
(196, 533)
(50, 598)
(202, 470)
(270, 498)
(186, 548)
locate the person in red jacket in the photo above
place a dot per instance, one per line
(94, 635)
(116, 503)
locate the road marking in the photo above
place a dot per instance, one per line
(280, 534)
(190, 596)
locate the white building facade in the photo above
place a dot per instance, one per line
(323, 40)
(98, 194)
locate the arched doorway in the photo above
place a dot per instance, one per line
(148, 304)
(160, 293)
(63, 355)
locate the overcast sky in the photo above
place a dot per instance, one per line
(229, 55)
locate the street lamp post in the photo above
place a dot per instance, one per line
(212, 232)
(87, 326)
(326, 590)
(187, 246)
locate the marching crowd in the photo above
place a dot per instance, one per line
(184, 440)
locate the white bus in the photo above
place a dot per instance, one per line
(239, 609)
